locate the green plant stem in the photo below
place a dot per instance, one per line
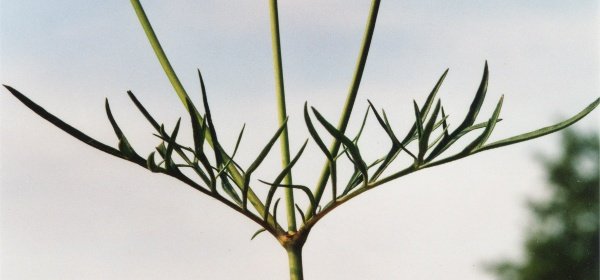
(160, 53)
(135, 159)
(181, 92)
(281, 113)
(306, 228)
(295, 262)
(465, 153)
(351, 98)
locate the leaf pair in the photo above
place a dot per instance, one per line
(256, 163)
(162, 149)
(330, 158)
(424, 132)
(396, 144)
(305, 189)
(124, 146)
(199, 126)
(469, 119)
(277, 182)
(478, 144)
(414, 132)
(351, 147)
(37, 109)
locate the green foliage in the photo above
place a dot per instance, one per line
(563, 242)
(430, 131)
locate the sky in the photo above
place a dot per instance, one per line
(70, 212)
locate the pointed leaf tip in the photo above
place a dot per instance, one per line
(543, 131)
(313, 133)
(257, 233)
(339, 136)
(40, 111)
(419, 121)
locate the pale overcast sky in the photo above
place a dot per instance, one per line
(70, 212)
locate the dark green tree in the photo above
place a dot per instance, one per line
(562, 242)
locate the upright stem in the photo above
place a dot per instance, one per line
(353, 91)
(180, 90)
(160, 53)
(281, 113)
(295, 261)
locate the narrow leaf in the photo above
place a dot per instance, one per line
(384, 125)
(197, 128)
(431, 97)
(314, 134)
(321, 145)
(263, 154)
(450, 141)
(426, 106)
(437, 125)
(362, 126)
(469, 118)
(424, 141)
(235, 149)
(434, 142)
(230, 191)
(113, 123)
(143, 110)
(305, 189)
(259, 159)
(344, 140)
(257, 233)
(356, 179)
(396, 144)
(162, 149)
(491, 123)
(486, 132)
(199, 132)
(124, 145)
(209, 120)
(477, 102)
(526, 136)
(333, 172)
(69, 129)
(475, 127)
(444, 123)
(275, 211)
(399, 144)
(432, 120)
(280, 178)
(418, 120)
(543, 131)
(171, 146)
(301, 213)
(239, 139)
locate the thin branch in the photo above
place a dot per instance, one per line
(351, 98)
(281, 113)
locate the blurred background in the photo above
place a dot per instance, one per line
(70, 212)
(561, 241)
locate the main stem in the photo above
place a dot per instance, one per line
(295, 262)
(281, 114)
